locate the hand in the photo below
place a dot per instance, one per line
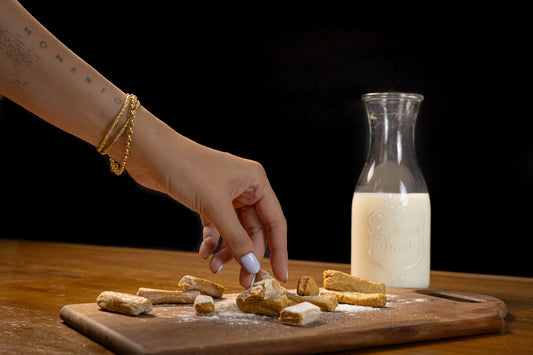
(259, 219)
(232, 195)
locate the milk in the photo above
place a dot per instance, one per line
(391, 238)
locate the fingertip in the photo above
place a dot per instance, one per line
(219, 259)
(250, 263)
(215, 266)
(219, 268)
(282, 276)
(280, 266)
(204, 251)
(209, 242)
(246, 279)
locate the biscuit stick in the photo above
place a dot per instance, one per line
(327, 303)
(206, 287)
(124, 303)
(166, 296)
(341, 281)
(357, 298)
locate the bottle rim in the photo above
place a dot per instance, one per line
(392, 96)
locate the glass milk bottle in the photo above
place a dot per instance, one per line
(391, 209)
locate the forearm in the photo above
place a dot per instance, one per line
(42, 75)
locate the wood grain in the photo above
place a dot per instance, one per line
(37, 279)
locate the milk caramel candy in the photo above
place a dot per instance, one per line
(268, 307)
(123, 303)
(358, 298)
(299, 314)
(307, 286)
(341, 281)
(206, 287)
(203, 304)
(266, 288)
(327, 303)
(263, 275)
(167, 296)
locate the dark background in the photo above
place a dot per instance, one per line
(284, 89)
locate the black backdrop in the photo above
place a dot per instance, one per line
(286, 92)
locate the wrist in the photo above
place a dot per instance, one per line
(144, 141)
(153, 151)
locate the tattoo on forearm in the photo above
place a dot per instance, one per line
(21, 56)
(18, 54)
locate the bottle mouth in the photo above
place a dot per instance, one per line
(392, 96)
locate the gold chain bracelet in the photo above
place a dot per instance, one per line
(102, 148)
(134, 104)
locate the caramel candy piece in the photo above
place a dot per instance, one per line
(263, 275)
(203, 304)
(341, 281)
(327, 303)
(123, 303)
(300, 314)
(307, 286)
(266, 296)
(167, 296)
(269, 307)
(265, 289)
(358, 298)
(206, 287)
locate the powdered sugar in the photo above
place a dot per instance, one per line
(228, 314)
(350, 308)
(399, 301)
(226, 311)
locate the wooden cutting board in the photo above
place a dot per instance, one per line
(410, 315)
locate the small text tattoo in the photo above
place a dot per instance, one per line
(22, 51)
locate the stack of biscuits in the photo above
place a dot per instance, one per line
(268, 297)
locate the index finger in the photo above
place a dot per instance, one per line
(235, 237)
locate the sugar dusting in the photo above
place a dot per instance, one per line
(350, 308)
(227, 312)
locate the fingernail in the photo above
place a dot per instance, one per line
(252, 283)
(287, 276)
(219, 268)
(250, 263)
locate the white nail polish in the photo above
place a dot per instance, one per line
(219, 268)
(250, 263)
(252, 283)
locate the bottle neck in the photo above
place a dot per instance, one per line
(392, 141)
(391, 164)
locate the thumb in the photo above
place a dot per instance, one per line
(236, 239)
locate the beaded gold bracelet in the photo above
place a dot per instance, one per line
(103, 149)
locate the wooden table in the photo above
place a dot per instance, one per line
(38, 278)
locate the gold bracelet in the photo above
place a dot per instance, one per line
(134, 104)
(114, 166)
(134, 101)
(101, 148)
